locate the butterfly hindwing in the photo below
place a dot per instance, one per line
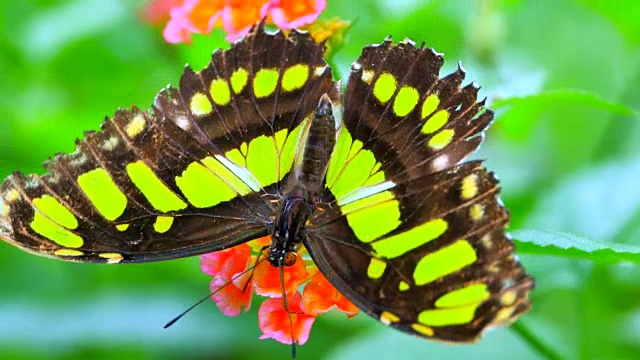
(188, 176)
(448, 240)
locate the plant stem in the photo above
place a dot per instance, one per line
(534, 341)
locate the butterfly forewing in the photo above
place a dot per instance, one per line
(188, 176)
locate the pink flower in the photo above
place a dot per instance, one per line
(193, 16)
(231, 297)
(235, 16)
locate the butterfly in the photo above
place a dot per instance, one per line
(371, 181)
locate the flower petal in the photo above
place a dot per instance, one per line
(274, 321)
(157, 11)
(230, 297)
(226, 263)
(288, 14)
(267, 278)
(259, 244)
(320, 296)
(239, 16)
(193, 16)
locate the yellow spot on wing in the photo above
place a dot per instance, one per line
(472, 294)
(236, 156)
(430, 105)
(509, 297)
(440, 140)
(376, 268)
(448, 316)
(405, 101)
(122, 227)
(476, 212)
(264, 82)
(504, 315)
(402, 243)
(384, 87)
(239, 80)
(135, 126)
(219, 91)
(228, 177)
(262, 160)
(42, 225)
(444, 261)
(355, 170)
(112, 258)
(295, 77)
(338, 158)
(157, 193)
(68, 252)
(403, 286)
(388, 318)
(163, 224)
(469, 187)
(55, 211)
(437, 121)
(288, 149)
(12, 195)
(202, 187)
(200, 104)
(103, 193)
(422, 329)
(367, 76)
(373, 216)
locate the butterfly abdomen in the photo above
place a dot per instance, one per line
(321, 140)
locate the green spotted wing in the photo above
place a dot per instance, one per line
(410, 233)
(196, 173)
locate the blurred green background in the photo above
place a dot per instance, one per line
(563, 76)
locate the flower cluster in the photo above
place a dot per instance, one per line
(234, 283)
(235, 16)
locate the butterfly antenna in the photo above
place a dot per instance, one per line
(285, 304)
(175, 319)
(259, 259)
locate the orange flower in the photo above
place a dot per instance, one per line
(226, 263)
(235, 281)
(267, 278)
(274, 321)
(289, 14)
(239, 15)
(320, 296)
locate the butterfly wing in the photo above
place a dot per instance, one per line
(408, 234)
(196, 173)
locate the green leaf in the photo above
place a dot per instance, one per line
(601, 201)
(555, 243)
(572, 96)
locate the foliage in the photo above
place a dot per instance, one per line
(563, 77)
